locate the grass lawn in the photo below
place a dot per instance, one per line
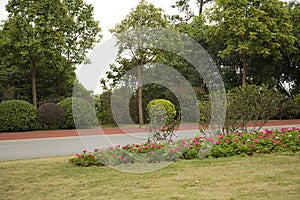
(275, 176)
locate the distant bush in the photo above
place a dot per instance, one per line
(79, 113)
(51, 115)
(288, 109)
(16, 115)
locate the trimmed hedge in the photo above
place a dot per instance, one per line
(161, 110)
(84, 114)
(51, 115)
(16, 115)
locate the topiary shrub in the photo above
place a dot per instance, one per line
(79, 113)
(16, 115)
(51, 115)
(162, 120)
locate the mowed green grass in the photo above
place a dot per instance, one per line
(275, 176)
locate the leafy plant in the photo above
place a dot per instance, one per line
(252, 103)
(233, 144)
(79, 113)
(51, 115)
(16, 115)
(162, 120)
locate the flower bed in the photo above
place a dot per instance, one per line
(238, 143)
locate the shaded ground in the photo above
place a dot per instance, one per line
(109, 131)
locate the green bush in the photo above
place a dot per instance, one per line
(79, 113)
(162, 120)
(103, 109)
(161, 110)
(245, 104)
(16, 115)
(288, 109)
(51, 115)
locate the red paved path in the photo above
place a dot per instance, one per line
(107, 131)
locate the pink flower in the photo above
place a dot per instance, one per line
(298, 136)
(124, 147)
(201, 151)
(256, 141)
(151, 152)
(159, 146)
(95, 150)
(273, 141)
(79, 155)
(217, 142)
(117, 146)
(260, 137)
(226, 141)
(221, 136)
(284, 145)
(139, 149)
(196, 143)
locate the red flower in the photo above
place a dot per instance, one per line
(84, 151)
(217, 142)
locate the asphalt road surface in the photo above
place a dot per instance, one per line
(59, 146)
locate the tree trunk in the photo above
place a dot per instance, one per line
(245, 69)
(33, 83)
(201, 4)
(140, 96)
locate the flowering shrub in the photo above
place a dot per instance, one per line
(237, 143)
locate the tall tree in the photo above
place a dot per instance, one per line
(249, 28)
(144, 15)
(185, 9)
(47, 35)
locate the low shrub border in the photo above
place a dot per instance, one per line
(233, 144)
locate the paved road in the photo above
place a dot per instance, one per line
(47, 147)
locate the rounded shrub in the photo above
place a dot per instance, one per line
(51, 115)
(161, 111)
(16, 115)
(79, 113)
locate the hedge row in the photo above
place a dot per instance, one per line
(17, 115)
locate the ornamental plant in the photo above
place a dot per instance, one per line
(162, 121)
(51, 115)
(79, 113)
(234, 144)
(252, 103)
(16, 115)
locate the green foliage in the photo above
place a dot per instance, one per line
(249, 28)
(51, 115)
(48, 44)
(103, 108)
(289, 108)
(163, 120)
(245, 104)
(79, 113)
(16, 115)
(161, 112)
(233, 144)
